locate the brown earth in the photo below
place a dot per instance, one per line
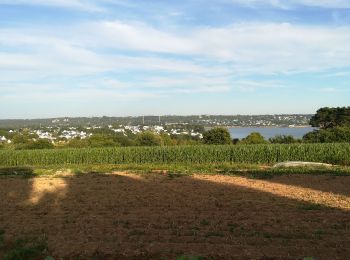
(119, 215)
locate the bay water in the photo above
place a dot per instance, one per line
(269, 132)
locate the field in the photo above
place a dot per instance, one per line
(161, 215)
(184, 202)
(252, 154)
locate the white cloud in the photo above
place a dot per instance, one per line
(136, 36)
(331, 89)
(258, 3)
(102, 5)
(203, 59)
(278, 47)
(266, 48)
(324, 3)
(239, 48)
(252, 85)
(43, 92)
(288, 4)
(337, 74)
(89, 6)
(187, 84)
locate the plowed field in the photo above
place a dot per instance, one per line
(123, 216)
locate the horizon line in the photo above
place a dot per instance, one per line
(169, 115)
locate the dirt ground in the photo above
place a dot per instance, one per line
(123, 216)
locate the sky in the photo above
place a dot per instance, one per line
(159, 57)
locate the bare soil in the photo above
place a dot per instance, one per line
(123, 216)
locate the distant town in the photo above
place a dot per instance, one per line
(58, 133)
(65, 129)
(292, 120)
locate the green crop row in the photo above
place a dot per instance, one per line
(254, 154)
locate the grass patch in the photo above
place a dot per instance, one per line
(190, 258)
(310, 207)
(137, 232)
(233, 227)
(19, 171)
(204, 222)
(214, 234)
(252, 171)
(26, 249)
(2, 239)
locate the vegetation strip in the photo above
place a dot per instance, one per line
(253, 154)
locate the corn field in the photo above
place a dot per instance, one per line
(206, 154)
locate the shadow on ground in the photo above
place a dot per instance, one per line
(121, 216)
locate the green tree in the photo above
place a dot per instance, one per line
(148, 138)
(21, 139)
(329, 135)
(331, 117)
(186, 139)
(5, 133)
(217, 135)
(253, 138)
(167, 140)
(123, 140)
(39, 144)
(283, 139)
(78, 143)
(101, 140)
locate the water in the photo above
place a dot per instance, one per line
(268, 132)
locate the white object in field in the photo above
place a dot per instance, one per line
(301, 164)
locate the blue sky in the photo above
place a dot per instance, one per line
(142, 57)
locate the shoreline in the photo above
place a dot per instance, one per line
(291, 127)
